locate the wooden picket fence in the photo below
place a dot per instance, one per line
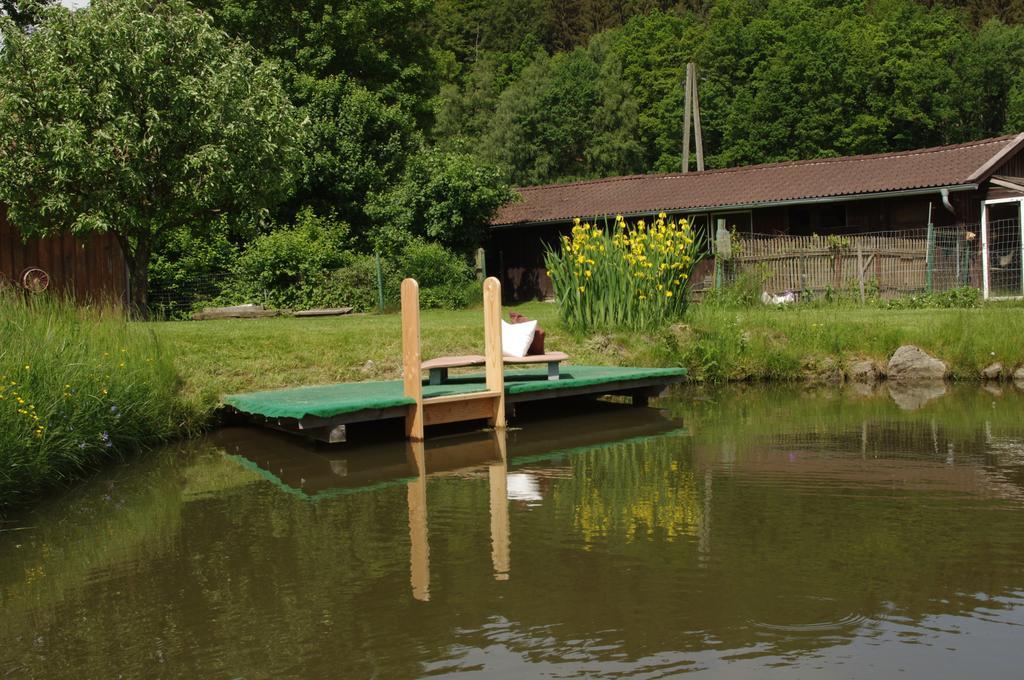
(889, 264)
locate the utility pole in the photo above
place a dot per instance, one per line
(692, 105)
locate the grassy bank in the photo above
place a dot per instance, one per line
(78, 386)
(715, 344)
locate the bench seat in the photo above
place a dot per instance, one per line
(439, 367)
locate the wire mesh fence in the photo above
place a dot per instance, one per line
(179, 297)
(883, 264)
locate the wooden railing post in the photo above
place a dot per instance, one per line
(495, 365)
(412, 374)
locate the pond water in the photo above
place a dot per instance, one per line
(775, 532)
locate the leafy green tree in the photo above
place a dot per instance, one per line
(444, 196)
(23, 12)
(382, 45)
(543, 122)
(138, 117)
(357, 146)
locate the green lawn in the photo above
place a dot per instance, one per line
(220, 357)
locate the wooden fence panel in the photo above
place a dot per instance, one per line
(90, 268)
(893, 264)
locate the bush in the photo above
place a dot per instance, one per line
(290, 268)
(446, 280)
(634, 277)
(964, 297)
(77, 387)
(356, 283)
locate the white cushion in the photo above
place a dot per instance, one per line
(516, 338)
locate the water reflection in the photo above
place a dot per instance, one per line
(782, 532)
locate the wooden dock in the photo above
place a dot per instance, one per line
(324, 412)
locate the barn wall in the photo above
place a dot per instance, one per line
(518, 252)
(90, 268)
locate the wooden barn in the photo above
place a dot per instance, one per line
(971, 194)
(90, 268)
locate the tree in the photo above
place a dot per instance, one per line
(138, 117)
(380, 44)
(444, 196)
(24, 13)
(357, 146)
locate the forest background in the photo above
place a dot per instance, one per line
(420, 115)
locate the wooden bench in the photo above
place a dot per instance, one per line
(439, 367)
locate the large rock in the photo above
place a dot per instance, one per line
(911, 364)
(992, 371)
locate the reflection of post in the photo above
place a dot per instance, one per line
(500, 542)
(419, 551)
(704, 523)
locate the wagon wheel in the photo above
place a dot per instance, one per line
(34, 280)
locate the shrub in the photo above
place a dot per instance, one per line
(446, 280)
(632, 277)
(77, 387)
(356, 283)
(290, 268)
(964, 297)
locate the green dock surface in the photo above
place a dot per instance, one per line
(326, 401)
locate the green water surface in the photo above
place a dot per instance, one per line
(742, 533)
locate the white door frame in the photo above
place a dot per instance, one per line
(984, 244)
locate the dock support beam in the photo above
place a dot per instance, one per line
(495, 367)
(412, 358)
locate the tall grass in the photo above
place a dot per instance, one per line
(631, 277)
(78, 386)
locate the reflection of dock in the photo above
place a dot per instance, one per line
(319, 472)
(313, 475)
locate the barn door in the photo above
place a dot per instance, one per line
(1002, 247)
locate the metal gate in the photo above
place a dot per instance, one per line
(1002, 247)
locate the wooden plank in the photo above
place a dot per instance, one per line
(495, 368)
(480, 407)
(411, 358)
(545, 358)
(211, 314)
(623, 387)
(464, 396)
(461, 361)
(337, 311)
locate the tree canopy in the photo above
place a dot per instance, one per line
(138, 117)
(779, 80)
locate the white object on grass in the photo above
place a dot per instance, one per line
(786, 298)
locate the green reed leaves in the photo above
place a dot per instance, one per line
(623, 276)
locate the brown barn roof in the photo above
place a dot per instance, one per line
(955, 166)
